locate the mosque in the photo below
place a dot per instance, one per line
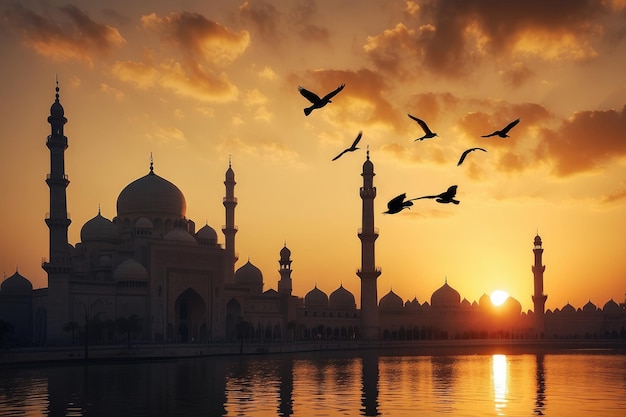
(149, 272)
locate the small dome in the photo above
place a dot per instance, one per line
(130, 270)
(611, 307)
(151, 196)
(248, 274)
(207, 235)
(105, 261)
(16, 284)
(285, 253)
(568, 308)
(391, 301)
(446, 296)
(485, 301)
(512, 306)
(179, 235)
(537, 240)
(143, 223)
(589, 307)
(316, 298)
(99, 229)
(341, 298)
(465, 303)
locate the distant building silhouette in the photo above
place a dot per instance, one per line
(149, 273)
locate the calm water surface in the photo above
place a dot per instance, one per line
(329, 384)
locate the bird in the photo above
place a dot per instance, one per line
(427, 132)
(445, 197)
(317, 102)
(468, 151)
(397, 204)
(352, 147)
(504, 132)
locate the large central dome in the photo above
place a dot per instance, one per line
(151, 196)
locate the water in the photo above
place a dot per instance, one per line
(325, 384)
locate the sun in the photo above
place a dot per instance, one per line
(498, 297)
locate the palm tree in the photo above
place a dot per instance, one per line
(71, 326)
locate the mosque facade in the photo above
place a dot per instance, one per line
(148, 273)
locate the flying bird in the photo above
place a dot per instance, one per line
(427, 132)
(445, 197)
(504, 132)
(397, 204)
(318, 103)
(352, 147)
(468, 151)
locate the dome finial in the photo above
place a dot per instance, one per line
(56, 96)
(368, 152)
(151, 164)
(229, 160)
(98, 209)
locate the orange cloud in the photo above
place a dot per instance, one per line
(263, 16)
(72, 36)
(585, 142)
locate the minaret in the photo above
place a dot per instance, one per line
(229, 228)
(539, 298)
(58, 265)
(368, 273)
(284, 285)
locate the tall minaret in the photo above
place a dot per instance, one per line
(229, 229)
(368, 273)
(539, 298)
(58, 265)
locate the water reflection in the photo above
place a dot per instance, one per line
(541, 385)
(500, 387)
(369, 384)
(444, 379)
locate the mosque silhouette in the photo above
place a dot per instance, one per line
(150, 275)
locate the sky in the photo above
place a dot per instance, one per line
(195, 83)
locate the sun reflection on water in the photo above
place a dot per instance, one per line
(500, 386)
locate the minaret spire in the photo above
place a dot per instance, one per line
(58, 266)
(368, 272)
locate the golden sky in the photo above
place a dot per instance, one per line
(193, 82)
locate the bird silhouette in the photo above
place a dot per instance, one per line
(504, 132)
(468, 151)
(397, 204)
(318, 103)
(427, 132)
(445, 197)
(352, 147)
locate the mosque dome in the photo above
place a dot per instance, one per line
(316, 298)
(513, 306)
(207, 235)
(151, 196)
(485, 301)
(130, 270)
(446, 296)
(16, 284)
(341, 298)
(179, 235)
(248, 274)
(568, 308)
(589, 307)
(611, 307)
(99, 229)
(391, 301)
(143, 223)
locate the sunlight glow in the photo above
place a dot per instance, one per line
(498, 297)
(500, 388)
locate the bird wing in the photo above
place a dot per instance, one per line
(491, 134)
(468, 151)
(423, 124)
(312, 97)
(450, 193)
(396, 200)
(356, 141)
(338, 156)
(333, 93)
(510, 126)
(425, 196)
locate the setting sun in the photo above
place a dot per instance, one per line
(498, 297)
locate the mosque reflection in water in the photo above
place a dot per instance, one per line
(366, 385)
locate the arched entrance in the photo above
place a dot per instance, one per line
(190, 316)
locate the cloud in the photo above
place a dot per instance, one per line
(264, 17)
(517, 74)
(303, 19)
(71, 36)
(584, 142)
(451, 38)
(617, 195)
(206, 48)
